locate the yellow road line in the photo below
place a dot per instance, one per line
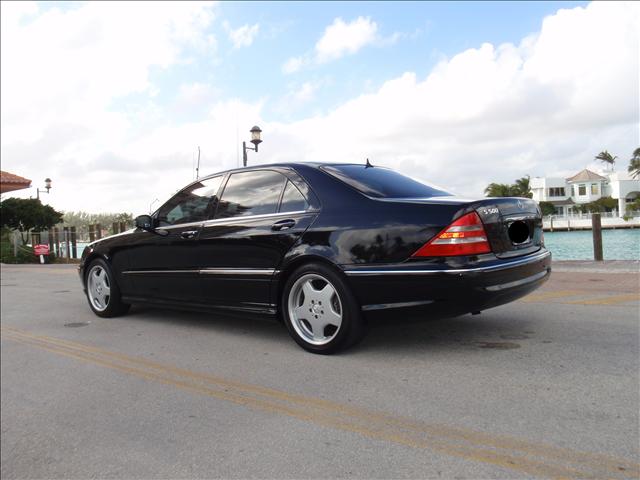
(610, 300)
(537, 297)
(347, 418)
(434, 430)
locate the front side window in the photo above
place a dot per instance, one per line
(251, 193)
(582, 189)
(292, 199)
(192, 204)
(594, 189)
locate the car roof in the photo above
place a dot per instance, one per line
(279, 165)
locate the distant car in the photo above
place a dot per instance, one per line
(322, 247)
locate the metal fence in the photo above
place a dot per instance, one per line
(66, 242)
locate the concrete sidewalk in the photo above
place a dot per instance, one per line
(590, 266)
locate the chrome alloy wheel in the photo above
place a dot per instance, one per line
(315, 309)
(98, 288)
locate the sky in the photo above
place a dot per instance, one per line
(112, 100)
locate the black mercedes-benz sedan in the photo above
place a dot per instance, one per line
(322, 247)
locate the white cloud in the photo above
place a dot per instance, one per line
(195, 95)
(495, 113)
(242, 36)
(342, 38)
(299, 95)
(293, 64)
(491, 113)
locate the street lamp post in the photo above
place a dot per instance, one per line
(255, 139)
(47, 187)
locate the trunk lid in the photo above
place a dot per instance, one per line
(513, 225)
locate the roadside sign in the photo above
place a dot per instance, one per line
(41, 249)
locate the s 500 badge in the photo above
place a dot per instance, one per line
(489, 211)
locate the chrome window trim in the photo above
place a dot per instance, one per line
(180, 225)
(217, 221)
(491, 268)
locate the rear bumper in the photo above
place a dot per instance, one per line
(445, 291)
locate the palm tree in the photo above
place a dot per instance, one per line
(634, 164)
(522, 187)
(499, 190)
(607, 158)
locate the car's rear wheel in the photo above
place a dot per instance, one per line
(319, 310)
(103, 293)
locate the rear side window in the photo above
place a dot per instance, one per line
(251, 193)
(292, 199)
(381, 182)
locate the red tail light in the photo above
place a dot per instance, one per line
(465, 236)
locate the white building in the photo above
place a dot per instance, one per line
(585, 187)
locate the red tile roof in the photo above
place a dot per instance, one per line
(10, 182)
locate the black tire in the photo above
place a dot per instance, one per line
(331, 339)
(106, 306)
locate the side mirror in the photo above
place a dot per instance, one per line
(145, 222)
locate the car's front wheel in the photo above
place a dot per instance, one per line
(103, 293)
(319, 310)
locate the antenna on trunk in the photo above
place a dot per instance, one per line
(368, 165)
(198, 167)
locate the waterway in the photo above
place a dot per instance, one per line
(620, 244)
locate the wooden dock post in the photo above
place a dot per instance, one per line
(92, 232)
(98, 231)
(67, 243)
(74, 244)
(596, 225)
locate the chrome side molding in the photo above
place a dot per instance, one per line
(209, 271)
(237, 271)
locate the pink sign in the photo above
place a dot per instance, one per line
(41, 249)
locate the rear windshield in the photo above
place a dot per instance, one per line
(381, 182)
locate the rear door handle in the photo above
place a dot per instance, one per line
(283, 224)
(189, 234)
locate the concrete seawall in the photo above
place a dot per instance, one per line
(568, 224)
(590, 266)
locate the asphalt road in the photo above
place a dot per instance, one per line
(545, 387)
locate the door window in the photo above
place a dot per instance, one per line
(292, 199)
(251, 193)
(193, 204)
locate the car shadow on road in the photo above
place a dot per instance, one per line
(262, 326)
(405, 335)
(492, 331)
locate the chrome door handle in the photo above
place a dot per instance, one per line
(189, 234)
(283, 224)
